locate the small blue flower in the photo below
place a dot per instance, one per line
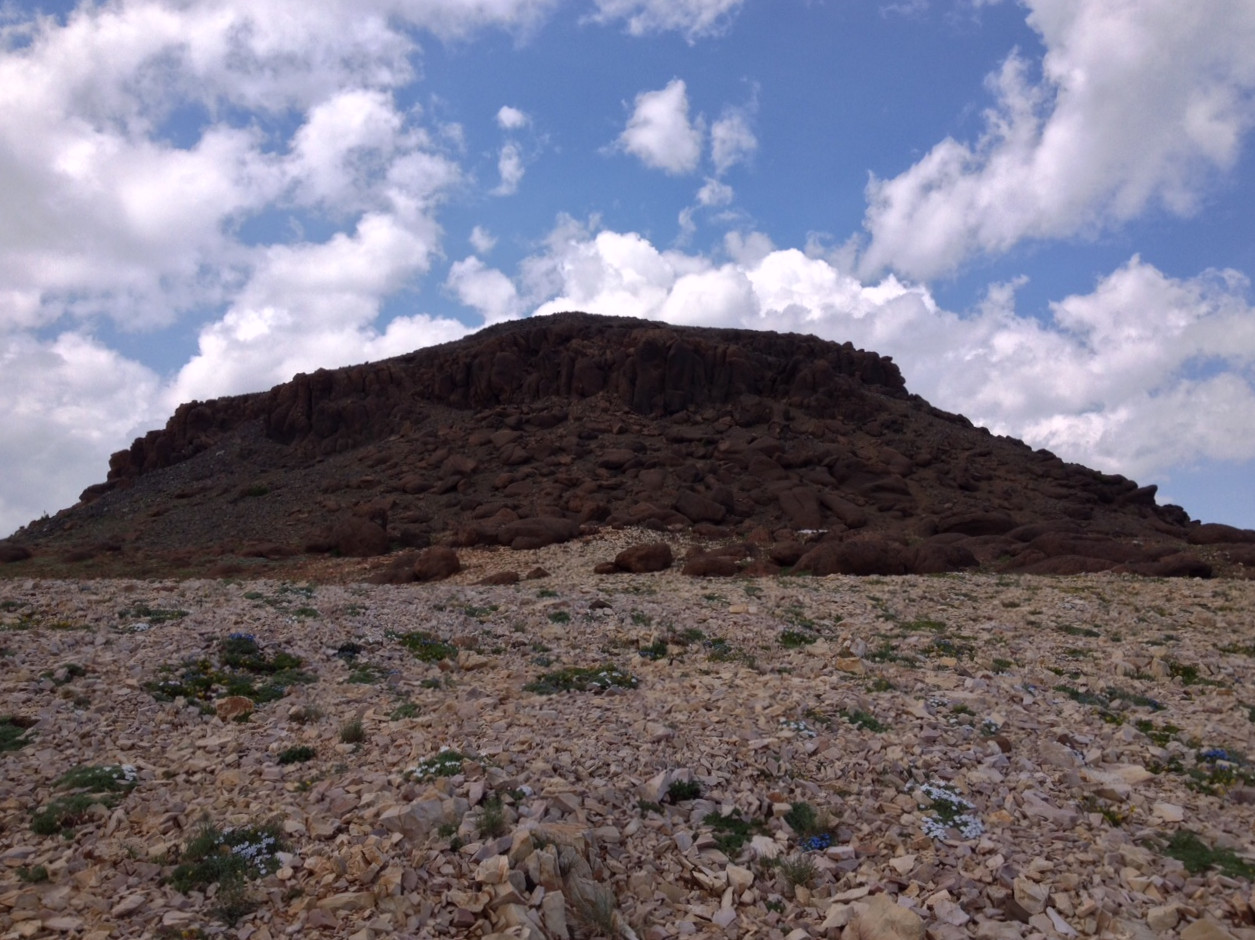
(817, 843)
(1213, 754)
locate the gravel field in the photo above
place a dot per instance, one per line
(628, 755)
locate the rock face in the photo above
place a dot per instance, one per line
(538, 431)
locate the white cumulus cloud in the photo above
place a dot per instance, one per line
(511, 119)
(732, 141)
(693, 18)
(1118, 379)
(510, 167)
(1138, 107)
(482, 240)
(69, 402)
(659, 132)
(484, 289)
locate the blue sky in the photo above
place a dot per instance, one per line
(1040, 209)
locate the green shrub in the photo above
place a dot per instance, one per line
(795, 639)
(578, 679)
(682, 790)
(1197, 856)
(445, 763)
(297, 755)
(13, 730)
(88, 787)
(427, 647)
(404, 710)
(352, 732)
(732, 831)
(229, 858)
(492, 821)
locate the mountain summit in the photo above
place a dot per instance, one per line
(799, 450)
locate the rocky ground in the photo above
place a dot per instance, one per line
(974, 755)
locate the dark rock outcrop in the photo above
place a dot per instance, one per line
(539, 431)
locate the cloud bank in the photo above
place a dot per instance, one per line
(261, 176)
(1137, 108)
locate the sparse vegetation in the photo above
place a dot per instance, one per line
(795, 639)
(732, 831)
(85, 788)
(228, 859)
(445, 763)
(426, 647)
(352, 732)
(582, 679)
(1197, 856)
(798, 870)
(242, 668)
(297, 755)
(681, 790)
(13, 732)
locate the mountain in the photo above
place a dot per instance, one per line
(794, 450)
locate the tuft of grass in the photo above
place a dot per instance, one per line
(798, 870)
(1078, 631)
(1197, 856)
(492, 821)
(655, 651)
(721, 651)
(795, 639)
(582, 679)
(229, 859)
(427, 647)
(682, 790)
(64, 814)
(352, 732)
(241, 668)
(1188, 673)
(597, 910)
(560, 616)
(151, 614)
(88, 787)
(864, 720)
(297, 755)
(33, 876)
(924, 624)
(445, 763)
(365, 674)
(404, 710)
(803, 819)
(886, 652)
(13, 730)
(732, 831)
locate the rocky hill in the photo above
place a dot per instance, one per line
(786, 451)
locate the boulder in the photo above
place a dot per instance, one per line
(398, 570)
(537, 533)
(880, 918)
(862, 557)
(1176, 565)
(711, 565)
(356, 537)
(233, 707)
(1213, 533)
(801, 507)
(436, 564)
(787, 553)
(499, 578)
(11, 552)
(698, 508)
(933, 557)
(976, 523)
(638, 559)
